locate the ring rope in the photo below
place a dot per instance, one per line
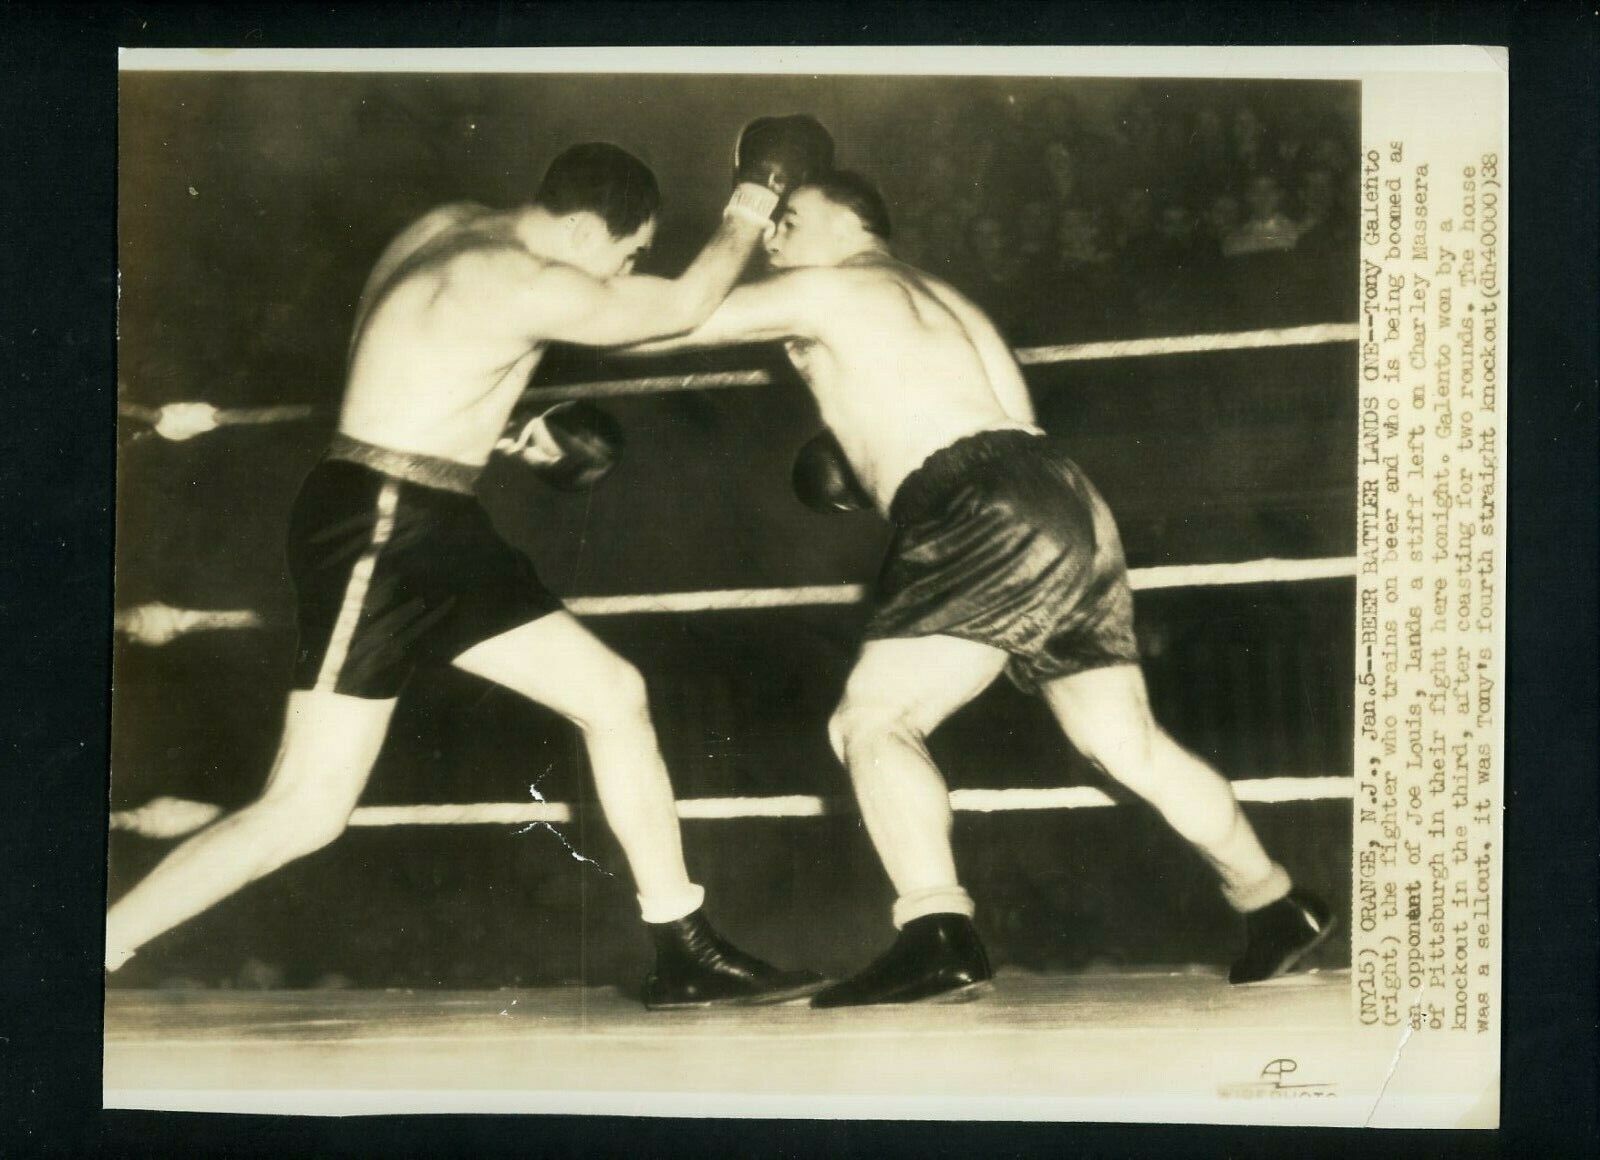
(1266, 571)
(181, 421)
(1315, 335)
(172, 817)
(159, 624)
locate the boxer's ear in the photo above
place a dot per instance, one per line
(583, 229)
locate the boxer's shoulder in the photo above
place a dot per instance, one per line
(476, 261)
(825, 287)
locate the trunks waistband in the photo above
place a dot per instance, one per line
(923, 491)
(411, 466)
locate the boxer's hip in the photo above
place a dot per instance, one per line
(1000, 538)
(1022, 473)
(389, 571)
(413, 467)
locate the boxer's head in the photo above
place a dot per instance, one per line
(607, 200)
(828, 220)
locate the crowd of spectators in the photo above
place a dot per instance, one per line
(1165, 213)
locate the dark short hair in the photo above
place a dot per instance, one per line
(601, 179)
(853, 192)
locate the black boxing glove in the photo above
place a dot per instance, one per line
(572, 446)
(782, 152)
(774, 155)
(823, 479)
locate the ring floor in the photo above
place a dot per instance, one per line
(1152, 1046)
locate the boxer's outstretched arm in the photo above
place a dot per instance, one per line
(783, 306)
(563, 304)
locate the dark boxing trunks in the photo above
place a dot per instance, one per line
(1001, 539)
(394, 564)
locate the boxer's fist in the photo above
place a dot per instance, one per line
(780, 153)
(823, 479)
(572, 446)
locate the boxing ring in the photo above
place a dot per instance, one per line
(1048, 1046)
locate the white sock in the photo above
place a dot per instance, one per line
(115, 959)
(673, 905)
(1248, 896)
(951, 899)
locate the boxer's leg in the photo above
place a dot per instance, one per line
(558, 663)
(1105, 713)
(330, 742)
(900, 691)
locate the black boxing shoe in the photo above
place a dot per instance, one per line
(936, 958)
(696, 967)
(1279, 935)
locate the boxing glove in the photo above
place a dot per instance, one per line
(823, 480)
(572, 446)
(776, 154)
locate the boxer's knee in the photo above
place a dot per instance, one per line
(292, 825)
(862, 725)
(1125, 747)
(618, 699)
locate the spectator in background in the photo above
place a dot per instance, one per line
(1061, 171)
(997, 271)
(1267, 225)
(1087, 299)
(1141, 141)
(1249, 140)
(1288, 151)
(1170, 287)
(1134, 228)
(1036, 231)
(1176, 227)
(1055, 115)
(1046, 211)
(1080, 247)
(1327, 239)
(1329, 151)
(1208, 150)
(1209, 287)
(1222, 216)
(1317, 204)
(1268, 282)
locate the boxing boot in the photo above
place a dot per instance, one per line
(696, 967)
(1279, 935)
(936, 957)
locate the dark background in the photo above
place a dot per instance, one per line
(57, 328)
(252, 207)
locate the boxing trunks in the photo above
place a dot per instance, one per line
(395, 563)
(1000, 538)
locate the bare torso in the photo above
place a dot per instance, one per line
(901, 365)
(430, 371)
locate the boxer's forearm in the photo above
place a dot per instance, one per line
(561, 304)
(770, 310)
(702, 287)
(696, 339)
